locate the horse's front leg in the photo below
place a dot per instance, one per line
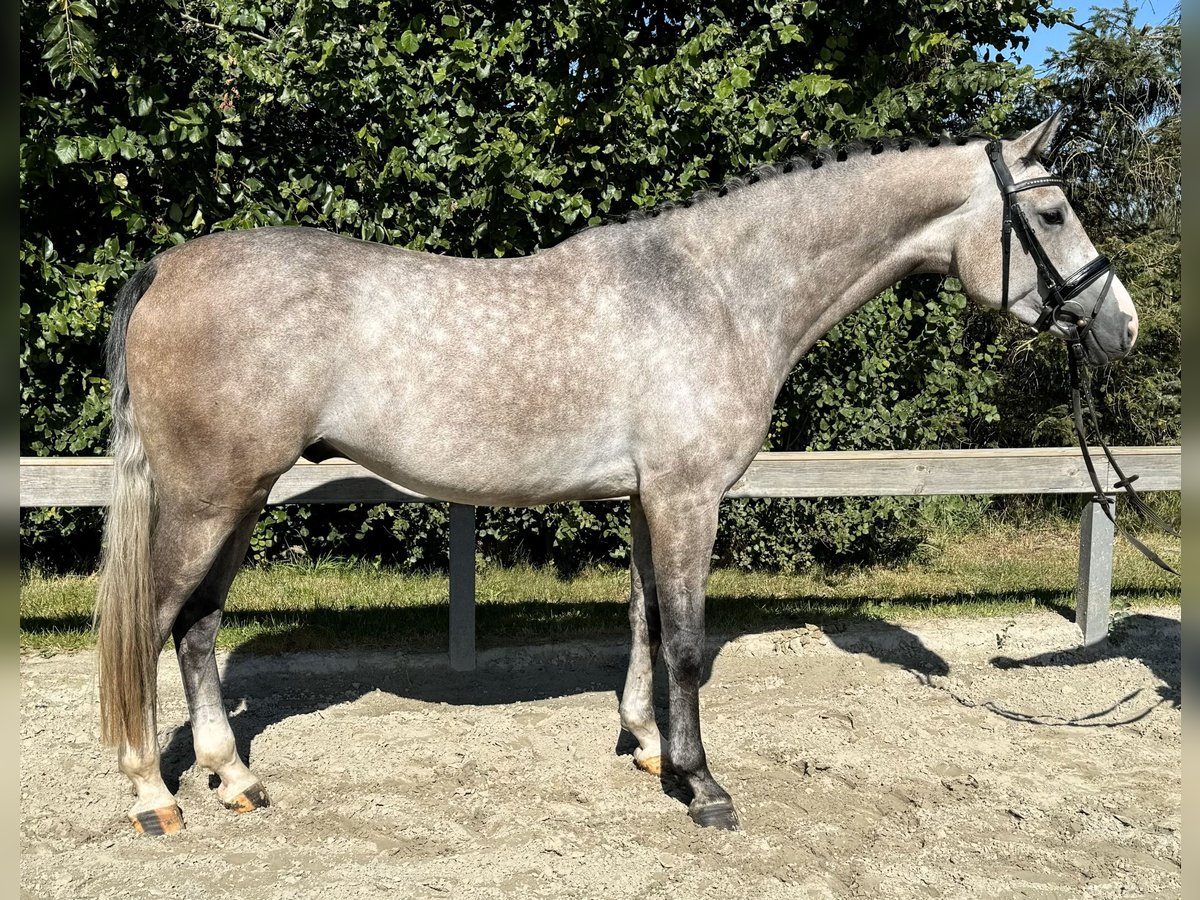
(683, 527)
(637, 700)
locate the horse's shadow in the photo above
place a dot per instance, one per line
(255, 672)
(1154, 641)
(264, 687)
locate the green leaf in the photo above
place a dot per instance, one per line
(66, 150)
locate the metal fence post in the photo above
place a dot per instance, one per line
(1093, 592)
(462, 587)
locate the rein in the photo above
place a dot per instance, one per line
(1081, 388)
(1059, 307)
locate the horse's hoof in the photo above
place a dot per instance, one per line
(651, 764)
(166, 820)
(715, 815)
(252, 798)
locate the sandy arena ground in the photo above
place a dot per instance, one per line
(946, 758)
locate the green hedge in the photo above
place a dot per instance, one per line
(492, 131)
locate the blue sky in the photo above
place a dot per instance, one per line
(1057, 38)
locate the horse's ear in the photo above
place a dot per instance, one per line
(1036, 142)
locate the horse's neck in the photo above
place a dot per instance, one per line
(800, 252)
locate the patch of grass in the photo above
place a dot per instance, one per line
(328, 604)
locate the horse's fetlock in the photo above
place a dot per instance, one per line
(687, 760)
(636, 715)
(138, 763)
(216, 757)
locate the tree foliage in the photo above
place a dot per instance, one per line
(492, 130)
(1119, 150)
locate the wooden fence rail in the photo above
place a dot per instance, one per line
(86, 481)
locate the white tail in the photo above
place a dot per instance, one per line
(128, 639)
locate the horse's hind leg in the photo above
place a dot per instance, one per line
(637, 700)
(195, 634)
(187, 539)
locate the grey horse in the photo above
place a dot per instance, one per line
(639, 359)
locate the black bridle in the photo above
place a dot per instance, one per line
(1060, 308)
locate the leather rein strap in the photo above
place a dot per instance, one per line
(1108, 504)
(1059, 308)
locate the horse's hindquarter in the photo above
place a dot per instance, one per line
(487, 381)
(229, 354)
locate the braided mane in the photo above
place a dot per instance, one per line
(814, 158)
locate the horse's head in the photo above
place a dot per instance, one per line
(1051, 277)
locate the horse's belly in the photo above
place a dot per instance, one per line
(487, 482)
(496, 467)
(516, 415)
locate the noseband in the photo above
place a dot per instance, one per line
(1059, 306)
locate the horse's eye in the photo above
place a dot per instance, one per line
(1054, 217)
